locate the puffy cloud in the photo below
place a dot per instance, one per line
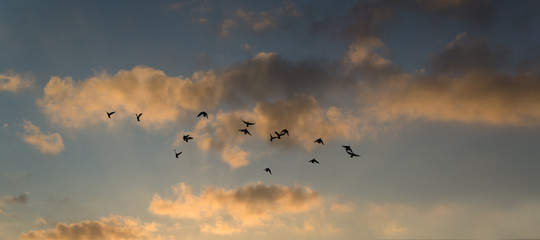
(235, 157)
(364, 52)
(249, 206)
(12, 82)
(50, 143)
(159, 97)
(112, 228)
(302, 116)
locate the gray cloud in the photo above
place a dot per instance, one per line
(470, 53)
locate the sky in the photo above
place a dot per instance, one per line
(441, 100)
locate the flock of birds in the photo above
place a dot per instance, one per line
(283, 132)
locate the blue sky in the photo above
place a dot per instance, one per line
(440, 98)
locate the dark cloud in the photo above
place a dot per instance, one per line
(470, 53)
(363, 20)
(480, 13)
(23, 199)
(268, 75)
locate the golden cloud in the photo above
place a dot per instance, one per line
(112, 228)
(159, 97)
(237, 209)
(474, 97)
(12, 82)
(50, 143)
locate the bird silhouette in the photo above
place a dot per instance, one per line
(285, 131)
(187, 138)
(248, 123)
(278, 135)
(177, 153)
(204, 114)
(109, 114)
(353, 154)
(245, 131)
(268, 170)
(272, 137)
(347, 148)
(138, 116)
(319, 140)
(314, 161)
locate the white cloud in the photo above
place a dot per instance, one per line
(50, 143)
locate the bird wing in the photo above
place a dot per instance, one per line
(201, 113)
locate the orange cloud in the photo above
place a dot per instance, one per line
(474, 97)
(12, 82)
(112, 228)
(236, 209)
(159, 97)
(50, 143)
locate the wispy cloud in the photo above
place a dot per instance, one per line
(12, 82)
(21, 199)
(113, 227)
(50, 143)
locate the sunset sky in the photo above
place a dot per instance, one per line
(440, 98)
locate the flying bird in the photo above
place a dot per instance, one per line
(268, 170)
(353, 154)
(314, 161)
(204, 114)
(177, 153)
(272, 137)
(347, 148)
(248, 123)
(138, 116)
(109, 114)
(319, 140)
(285, 131)
(187, 138)
(245, 131)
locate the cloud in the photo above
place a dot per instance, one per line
(364, 52)
(469, 53)
(466, 83)
(474, 97)
(341, 207)
(11, 82)
(268, 75)
(50, 143)
(225, 27)
(235, 157)
(304, 118)
(21, 199)
(113, 227)
(237, 209)
(161, 99)
(363, 20)
(441, 5)
(259, 21)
